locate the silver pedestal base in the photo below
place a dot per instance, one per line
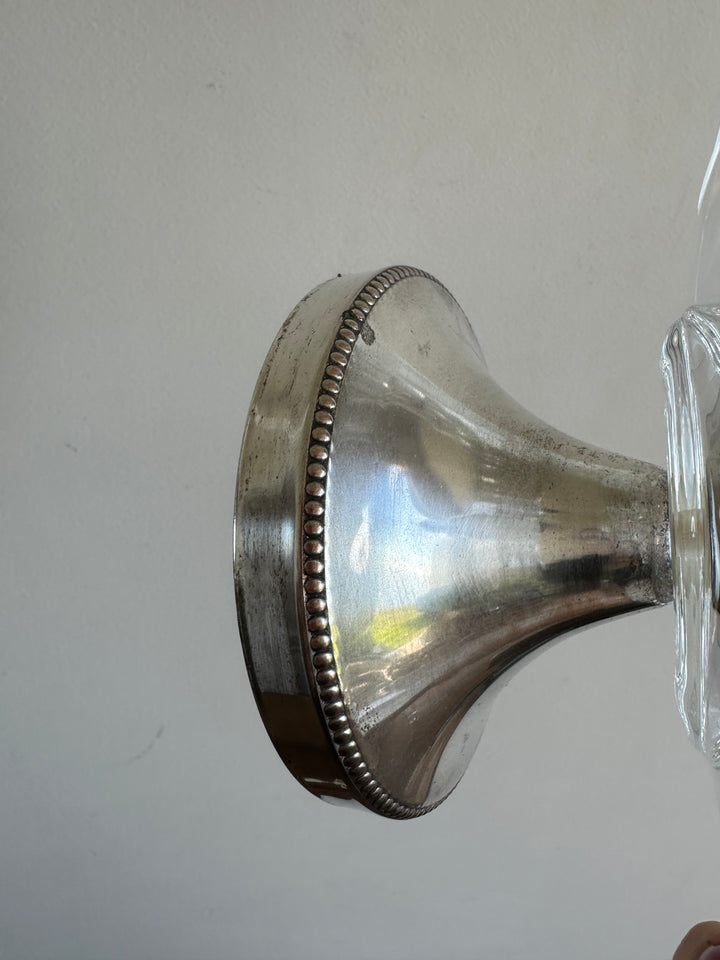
(405, 533)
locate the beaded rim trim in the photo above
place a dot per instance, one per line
(314, 593)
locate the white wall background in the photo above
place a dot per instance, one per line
(175, 176)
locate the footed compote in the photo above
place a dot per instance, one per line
(405, 533)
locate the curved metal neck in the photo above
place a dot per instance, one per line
(593, 543)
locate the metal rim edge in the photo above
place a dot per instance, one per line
(317, 617)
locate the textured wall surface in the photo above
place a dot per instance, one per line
(175, 176)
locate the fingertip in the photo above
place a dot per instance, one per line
(701, 942)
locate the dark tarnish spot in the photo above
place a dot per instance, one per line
(367, 333)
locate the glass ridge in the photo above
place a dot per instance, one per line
(691, 370)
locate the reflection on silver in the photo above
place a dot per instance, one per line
(405, 533)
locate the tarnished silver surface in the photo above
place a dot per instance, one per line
(405, 533)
